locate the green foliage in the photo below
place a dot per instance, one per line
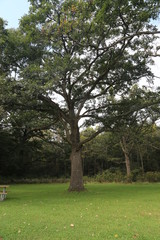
(109, 176)
(152, 176)
(119, 176)
(75, 49)
(95, 153)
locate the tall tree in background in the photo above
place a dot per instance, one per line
(132, 128)
(73, 56)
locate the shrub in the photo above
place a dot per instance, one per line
(109, 176)
(87, 179)
(34, 180)
(152, 176)
(136, 176)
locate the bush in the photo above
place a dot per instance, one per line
(109, 176)
(87, 179)
(33, 180)
(136, 176)
(152, 176)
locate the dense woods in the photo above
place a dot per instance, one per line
(69, 93)
(27, 153)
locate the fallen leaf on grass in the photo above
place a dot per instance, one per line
(135, 236)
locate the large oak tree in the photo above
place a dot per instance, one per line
(73, 56)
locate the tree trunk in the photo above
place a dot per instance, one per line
(141, 159)
(76, 183)
(128, 167)
(127, 159)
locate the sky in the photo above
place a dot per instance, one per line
(13, 10)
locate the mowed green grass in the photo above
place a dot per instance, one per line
(103, 211)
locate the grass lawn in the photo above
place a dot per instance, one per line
(104, 211)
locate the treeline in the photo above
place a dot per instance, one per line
(32, 152)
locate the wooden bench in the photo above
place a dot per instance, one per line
(3, 192)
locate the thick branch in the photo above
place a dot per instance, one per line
(53, 105)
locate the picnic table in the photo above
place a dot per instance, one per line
(3, 192)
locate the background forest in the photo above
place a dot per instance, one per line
(27, 151)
